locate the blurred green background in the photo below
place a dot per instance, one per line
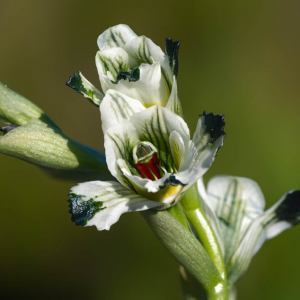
(240, 58)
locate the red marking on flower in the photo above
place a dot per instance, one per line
(152, 165)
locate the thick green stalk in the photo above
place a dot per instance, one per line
(191, 204)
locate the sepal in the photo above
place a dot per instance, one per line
(172, 48)
(82, 86)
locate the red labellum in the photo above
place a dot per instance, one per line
(149, 168)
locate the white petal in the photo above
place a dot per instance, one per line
(174, 104)
(116, 107)
(237, 201)
(112, 61)
(119, 142)
(150, 89)
(102, 203)
(155, 125)
(177, 148)
(207, 206)
(281, 216)
(116, 36)
(145, 51)
(208, 138)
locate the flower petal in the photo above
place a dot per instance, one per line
(237, 201)
(155, 125)
(177, 148)
(116, 36)
(150, 89)
(102, 203)
(281, 216)
(110, 63)
(208, 208)
(174, 104)
(116, 107)
(119, 142)
(145, 51)
(81, 85)
(201, 152)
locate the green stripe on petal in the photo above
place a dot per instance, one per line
(281, 216)
(116, 36)
(81, 85)
(116, 107)
(150, 89)
(237, 202)
(155, 125)
(174, 104)
(208, 138)
(177, 148)
(102, 203)
(119, 142)
(113, 61)
(138, 48)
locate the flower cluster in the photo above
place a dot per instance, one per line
(154, 162)
(147, 143)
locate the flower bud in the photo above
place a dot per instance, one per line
(16, 109)
(46, 146)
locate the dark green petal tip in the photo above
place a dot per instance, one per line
(82, 86)
(82, 211)
(289, 209)
(172, 181)
(76, 84)
(133, 75)
(172, 48)
(214, 125)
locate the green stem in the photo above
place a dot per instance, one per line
(191, 204)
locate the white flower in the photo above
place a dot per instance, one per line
(134, 66)
(150, 153)
(235, 207)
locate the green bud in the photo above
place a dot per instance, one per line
(16, 109)
(46, 146)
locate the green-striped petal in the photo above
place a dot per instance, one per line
(145, 51)
(155, 125)
(174, 103)
(281, 216)
(81, 85)
(113, 61)
(116, 107)
(237, 202)
(202, 150)
(101, 203)
(116, 36)
(119, 142)
(150, 89)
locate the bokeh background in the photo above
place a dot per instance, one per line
(240, 58)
